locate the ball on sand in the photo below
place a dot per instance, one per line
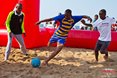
(35, 62)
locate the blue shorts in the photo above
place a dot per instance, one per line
(58, 39)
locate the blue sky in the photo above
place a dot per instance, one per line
(51, 8)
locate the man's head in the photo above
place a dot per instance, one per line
(96, 17)
(102, 14)
(68, 14)
(18, 8)
(60, 14)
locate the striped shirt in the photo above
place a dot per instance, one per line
(65, 24)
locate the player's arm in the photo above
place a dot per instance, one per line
(22, 26)
(87, 17)
(87, 24)
(8, 21)
(45, 20)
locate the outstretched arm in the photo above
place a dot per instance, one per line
(45, 20)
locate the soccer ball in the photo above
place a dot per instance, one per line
(35, 62)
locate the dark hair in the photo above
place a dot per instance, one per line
(103, 10)
(60, 14)
(68, 10)
(96, 15)
(19, 4)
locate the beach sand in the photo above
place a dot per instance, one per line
(69, 63)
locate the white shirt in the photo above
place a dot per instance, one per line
(16, 12)
(104, 28)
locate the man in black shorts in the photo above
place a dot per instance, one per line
(104, 27)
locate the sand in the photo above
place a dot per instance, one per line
(69, 63)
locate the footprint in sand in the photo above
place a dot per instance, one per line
(110, 60)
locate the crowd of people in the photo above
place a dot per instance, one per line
(81, 26)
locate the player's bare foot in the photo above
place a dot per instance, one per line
(109, 60)
(105, 58)
(92, 62)
(44, 64)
